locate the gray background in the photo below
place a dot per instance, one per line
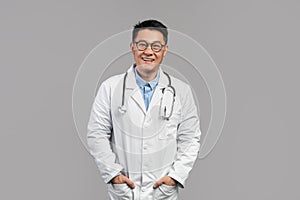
(254, 43)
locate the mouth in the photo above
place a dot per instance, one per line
(148, 60)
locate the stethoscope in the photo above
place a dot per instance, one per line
(169, 89)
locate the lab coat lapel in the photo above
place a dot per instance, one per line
(134, 88)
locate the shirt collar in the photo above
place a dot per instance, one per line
(141, 82)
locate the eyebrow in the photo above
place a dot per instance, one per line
(150, 42)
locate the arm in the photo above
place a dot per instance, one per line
(99, 133)
(188, 140)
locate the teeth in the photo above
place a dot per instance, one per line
(148, 59)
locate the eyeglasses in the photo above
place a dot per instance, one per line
(142, 45)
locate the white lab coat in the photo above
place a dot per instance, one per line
(139, 143)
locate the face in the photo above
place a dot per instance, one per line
(148, 60)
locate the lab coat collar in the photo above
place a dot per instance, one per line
(136, 94)
(131, 80)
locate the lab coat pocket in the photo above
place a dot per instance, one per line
(170, 130)
(167, 134)
(166, 192)
(171, 125)
(119, 192)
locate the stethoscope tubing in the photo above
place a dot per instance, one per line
(122, 108)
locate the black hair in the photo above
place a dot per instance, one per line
(150, 24)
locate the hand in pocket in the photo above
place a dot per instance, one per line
(121, 179)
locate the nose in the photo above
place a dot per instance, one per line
(148, 50)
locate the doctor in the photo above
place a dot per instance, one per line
(143, 131)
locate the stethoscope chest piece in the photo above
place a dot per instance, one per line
(122, 109)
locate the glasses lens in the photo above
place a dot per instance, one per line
(156, 47)
(142, 45)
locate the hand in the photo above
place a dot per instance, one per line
(167, 180)
(120, 179)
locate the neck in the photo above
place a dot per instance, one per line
(147, 76)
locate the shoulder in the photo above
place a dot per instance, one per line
(180, 86)
(183, 91)
(106, 86)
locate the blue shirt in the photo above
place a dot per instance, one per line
(147, 89)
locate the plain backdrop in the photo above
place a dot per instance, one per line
(255, 45)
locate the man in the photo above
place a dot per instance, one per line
(144, 131)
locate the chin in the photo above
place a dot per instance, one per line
(148, 67)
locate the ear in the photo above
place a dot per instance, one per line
(165, 50)
(131, 47)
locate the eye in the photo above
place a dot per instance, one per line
(156, 46)
(142, 45)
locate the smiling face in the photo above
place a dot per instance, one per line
(148, 61)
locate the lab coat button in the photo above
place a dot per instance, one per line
(146, 124)
(143, 189)
(148, 120)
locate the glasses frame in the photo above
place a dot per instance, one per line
(149, 44)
